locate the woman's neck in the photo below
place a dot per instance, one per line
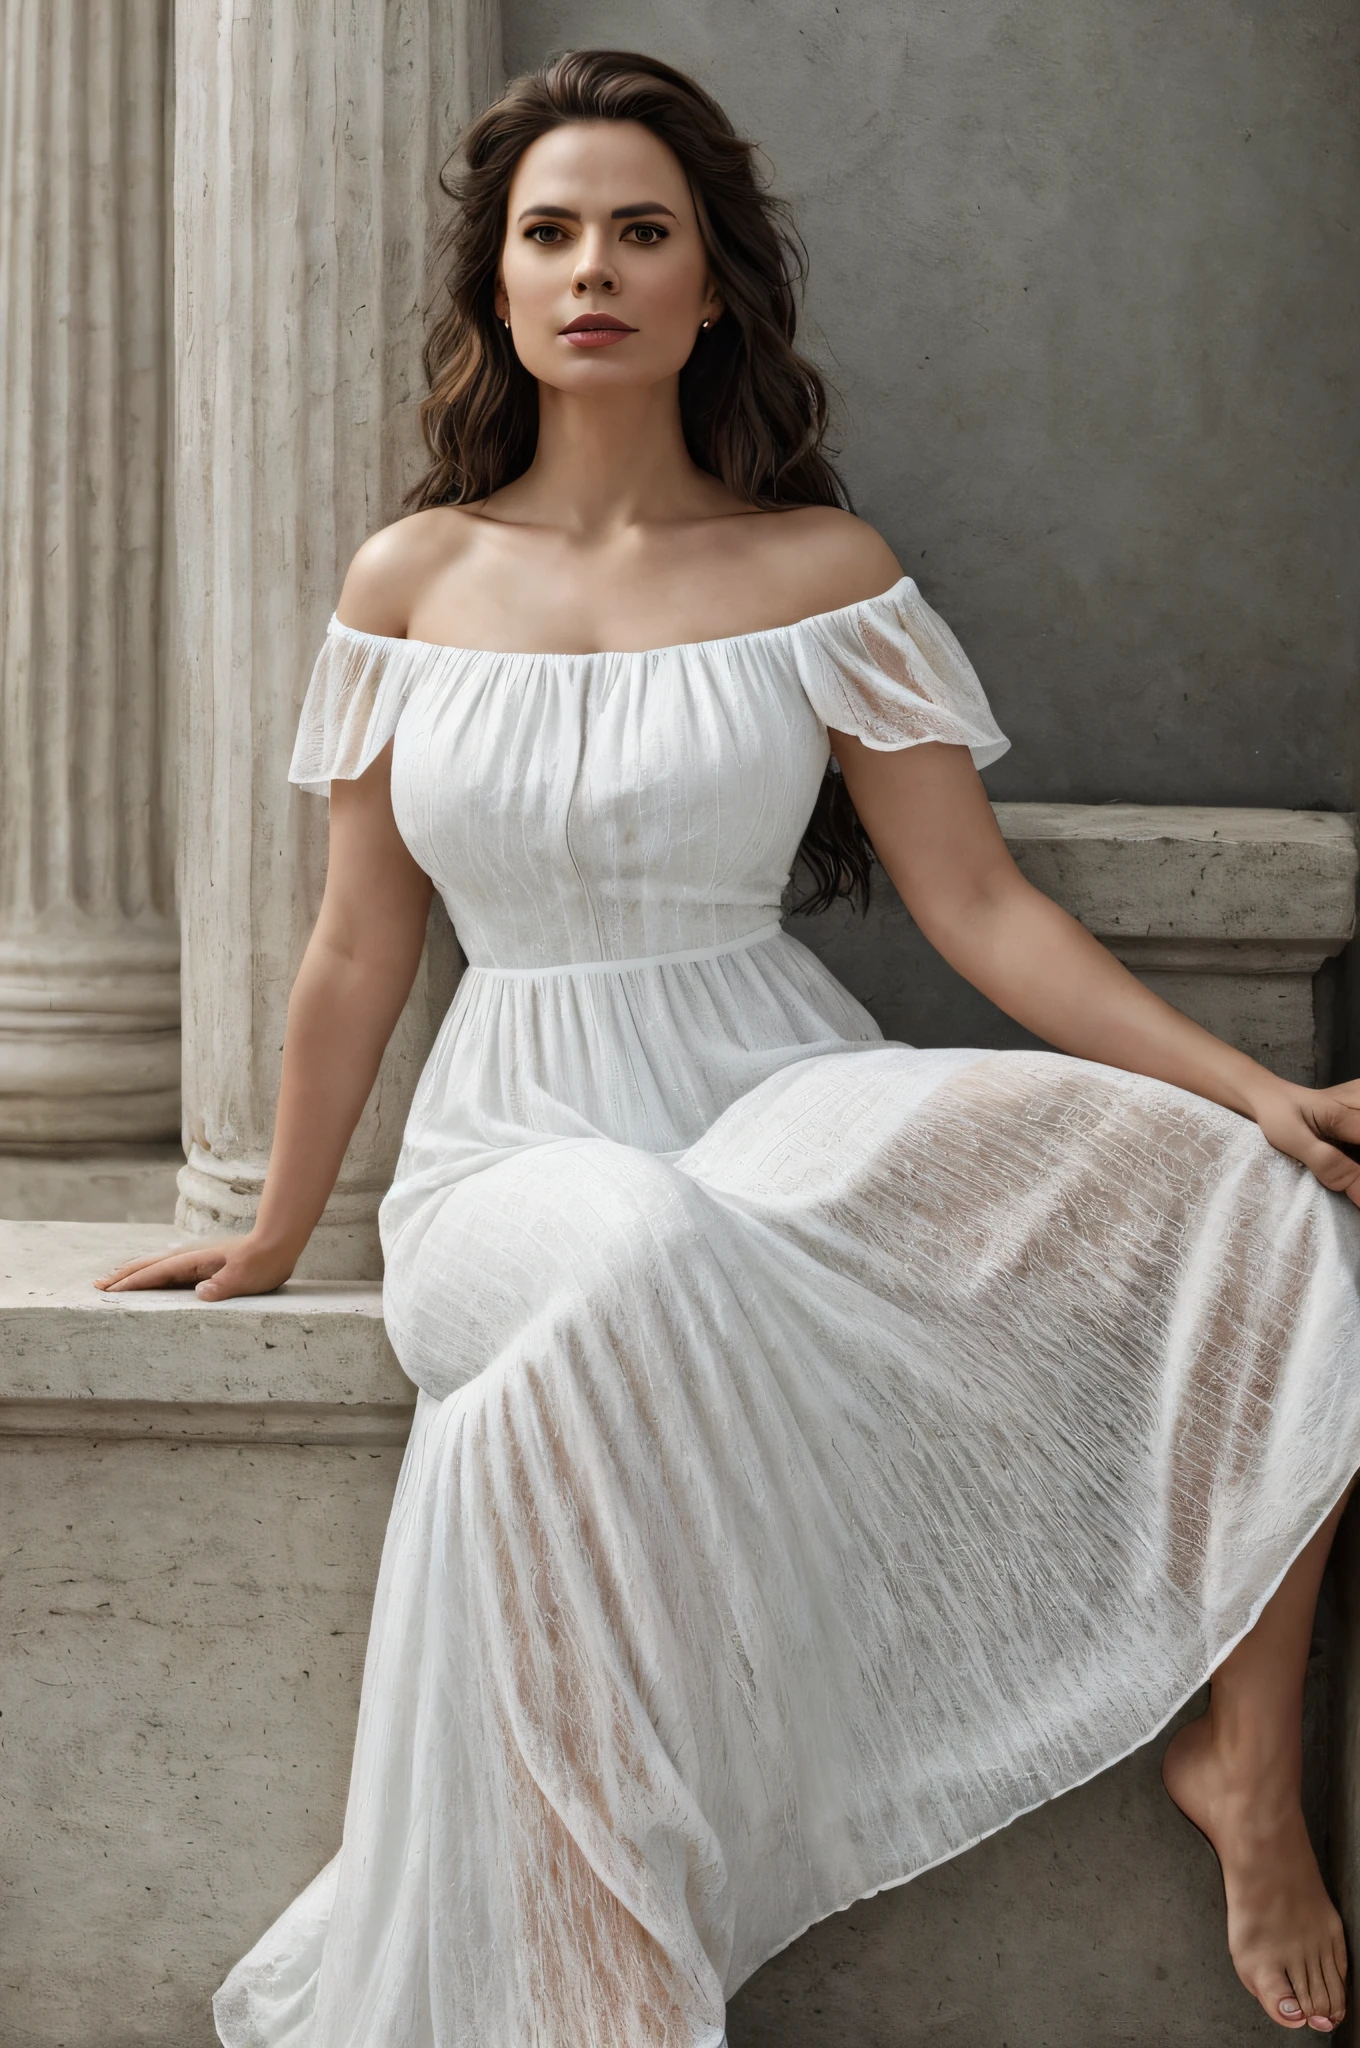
(605, 465)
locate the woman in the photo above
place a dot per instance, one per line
(826, 1450)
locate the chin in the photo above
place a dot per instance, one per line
(606, 366)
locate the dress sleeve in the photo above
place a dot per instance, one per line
(359, 684)
(891, 672)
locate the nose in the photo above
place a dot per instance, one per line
(594, 271)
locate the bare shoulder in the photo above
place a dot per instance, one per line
(827, 557)
(394, 565)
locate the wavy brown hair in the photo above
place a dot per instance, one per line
(754, 410)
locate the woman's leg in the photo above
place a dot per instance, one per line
(1237, 1773)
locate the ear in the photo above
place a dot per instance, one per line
(713, 305)
(499, 299)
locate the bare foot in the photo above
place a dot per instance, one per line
(1284, 1933)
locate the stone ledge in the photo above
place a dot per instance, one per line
(1179, 886)
(381, 1425)
(308, 1364)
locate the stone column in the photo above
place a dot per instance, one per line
(308, 139)
(89, 946)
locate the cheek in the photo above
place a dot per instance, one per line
(528, 283)
(670, 301)
(675, 287)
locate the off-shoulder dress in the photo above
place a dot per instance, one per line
(826, 1449)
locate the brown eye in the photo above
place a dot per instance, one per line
(648, 233)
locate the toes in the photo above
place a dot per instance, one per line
(1334, 2005)
(1315, 2002)
(1325, 2002)
(1306, 1978)
(1278, 1998)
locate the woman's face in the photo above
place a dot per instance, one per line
(604, 276)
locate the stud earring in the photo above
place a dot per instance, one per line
(704, 323)
(505, 323)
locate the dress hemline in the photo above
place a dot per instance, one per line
(890, 1884)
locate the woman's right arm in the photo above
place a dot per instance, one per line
(356, 974)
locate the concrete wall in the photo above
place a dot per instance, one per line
(1088, 281)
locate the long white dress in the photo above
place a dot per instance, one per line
(826, 1450)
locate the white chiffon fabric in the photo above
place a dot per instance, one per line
(825, 1449)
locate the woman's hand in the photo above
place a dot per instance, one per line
(1312, 1125)
(355, 976)
(238, 1265)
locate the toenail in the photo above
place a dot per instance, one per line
(1290, 2006)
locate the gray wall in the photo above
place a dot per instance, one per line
(1085, 276)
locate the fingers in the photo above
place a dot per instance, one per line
(162, 1269)
(1337, 1121)
(1342, 1101)
(1336, 1170)
(1301, 1130)
(233, 1277)
(216, 1272)
(132, 1266)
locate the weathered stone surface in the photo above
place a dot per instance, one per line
(89, 943)
(303, 225)
(319, 1346)
(1269, 882)
(102, 1184)
(184, 1628)
(184, 1619)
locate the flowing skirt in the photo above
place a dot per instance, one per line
(783, 1514)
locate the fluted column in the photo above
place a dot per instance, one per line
(89, 947)
(308, 140)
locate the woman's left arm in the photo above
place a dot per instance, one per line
(932, 827)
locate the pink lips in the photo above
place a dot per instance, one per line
(595, 330)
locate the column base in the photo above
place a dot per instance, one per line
(219, 1198)
(89, 1033)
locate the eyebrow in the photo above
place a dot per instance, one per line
(619, 213)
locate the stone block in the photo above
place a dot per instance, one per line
(192, 1501)
(185, 1621)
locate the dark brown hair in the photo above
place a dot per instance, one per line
(754, 411)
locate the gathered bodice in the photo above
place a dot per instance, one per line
(606, 807)
(591, 808)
